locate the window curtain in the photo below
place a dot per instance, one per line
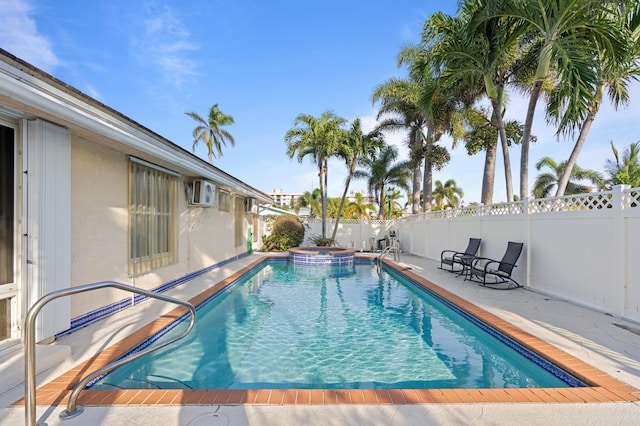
(153, 197)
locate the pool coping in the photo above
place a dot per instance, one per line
(333, 251)
(602, 387)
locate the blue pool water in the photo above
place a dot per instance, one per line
(348, 327)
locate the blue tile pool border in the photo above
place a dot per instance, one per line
(105, 311)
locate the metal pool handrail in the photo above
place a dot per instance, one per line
(393, 247)
(29, 348)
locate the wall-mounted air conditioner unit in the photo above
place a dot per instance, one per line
(250, 205)
(203, 193)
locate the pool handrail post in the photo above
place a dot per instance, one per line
(29, 345)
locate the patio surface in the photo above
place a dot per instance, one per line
(609, 344)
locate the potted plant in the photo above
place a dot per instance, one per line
(323, 241)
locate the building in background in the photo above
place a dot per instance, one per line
(284, 199)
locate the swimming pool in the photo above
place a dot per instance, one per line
(348, 327)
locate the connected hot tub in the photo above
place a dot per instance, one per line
(321, 255)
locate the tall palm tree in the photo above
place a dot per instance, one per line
(482, 56)
(210, 131)
(626, 169)
(444, 111)
(356, 147)
(614, 75)
(401, 112)
(381, 171)
(563, 36)
(317, 138)
(447, 195)
(441, 105)
(545, 182)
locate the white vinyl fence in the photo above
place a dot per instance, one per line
(580, 248)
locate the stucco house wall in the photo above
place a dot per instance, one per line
(71, 185)
(99, 229)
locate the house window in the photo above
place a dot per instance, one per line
(224, 201)
(153, 195)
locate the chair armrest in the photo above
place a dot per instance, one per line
(485, 261)
(489, 262)
(448, 251)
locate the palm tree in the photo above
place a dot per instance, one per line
(211, 132)
(614, 76)
(442, 107)
(355, 148)
(562, 35)
(358, 209)
(317, 138)
(393, 204)
(625, 170)
(310, 200)
(482, 134)
(482, 56)
(447, 195)
(545, 182)
(332, 207)
(399, 104)
(381, 171)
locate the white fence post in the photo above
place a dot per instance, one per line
(619, 255)
(527, 219)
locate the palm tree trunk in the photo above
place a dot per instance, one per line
(344, 196)
(427, 182)
(322, 202)
(415, 196)
(488, 177)
(497, 114)
(526, 136)
(582, 137)
(427, 185)
(417, 173)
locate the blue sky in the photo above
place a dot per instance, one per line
(263, 62)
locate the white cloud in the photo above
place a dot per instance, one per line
(19, 35)
(164, 43)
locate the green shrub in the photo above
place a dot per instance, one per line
(287, 232)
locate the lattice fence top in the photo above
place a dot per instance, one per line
(502, 208)
(331, 221)
(466, 211)
(632, 197)
(593, 201)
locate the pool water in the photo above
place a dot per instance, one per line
(346, 327)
